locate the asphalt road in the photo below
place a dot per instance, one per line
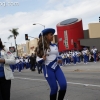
(83, 83)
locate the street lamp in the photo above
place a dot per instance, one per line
(39, 24)
(9, 43)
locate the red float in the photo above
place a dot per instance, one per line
(69, 33)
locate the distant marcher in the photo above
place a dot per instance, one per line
(94, 51)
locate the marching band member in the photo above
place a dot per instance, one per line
(74, 57)
(26, 60)
(6, 59)
(63, 61)
(68, 58)
(21, 59)
(88, 53)
(78, 56)
(65, 58)
(84, 52)
(17, 61)
(27, 63)
(20, 64)
(94, 51)
(51, 60)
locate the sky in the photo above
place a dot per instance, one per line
(22, 14)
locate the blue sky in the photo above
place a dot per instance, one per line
(46, 12)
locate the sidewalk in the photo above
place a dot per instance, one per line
(91, 66)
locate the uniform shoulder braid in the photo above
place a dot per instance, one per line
(53, 44)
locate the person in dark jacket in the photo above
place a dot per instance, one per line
(32, 61)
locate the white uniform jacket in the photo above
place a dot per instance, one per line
(9, 60)
(52, 54)
(94, 50)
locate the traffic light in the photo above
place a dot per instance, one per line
(99, 19)
(26, 36)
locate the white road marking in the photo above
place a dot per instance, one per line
(84, 84)
(91, 85)
(30, 79)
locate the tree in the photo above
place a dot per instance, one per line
(15, 33)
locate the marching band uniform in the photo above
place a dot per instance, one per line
(5, 73)
(70, 55)
(84, 52)
(53, 72)
(27, 64)
(78, 56)
(20, 65)
(65, 62)
(21, 59)
(17, 61)
(74, 57)
(62, 55)
(87, 51)
(94, 50)
(68, 58)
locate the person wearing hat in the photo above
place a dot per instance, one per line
(6, 59)
(47, 54)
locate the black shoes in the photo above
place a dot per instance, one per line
(53, 97)
(61, 94)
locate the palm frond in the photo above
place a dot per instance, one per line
(14, 32)
(10, 36)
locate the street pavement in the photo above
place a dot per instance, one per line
(83, 83)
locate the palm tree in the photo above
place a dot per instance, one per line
(14, 34)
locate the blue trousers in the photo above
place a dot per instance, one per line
(13, 67)
(85, 58)
(54, 76)
(94, 57)
(68, 59)
(74, 59)
(78, 59)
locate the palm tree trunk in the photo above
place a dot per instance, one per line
(16, 46)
